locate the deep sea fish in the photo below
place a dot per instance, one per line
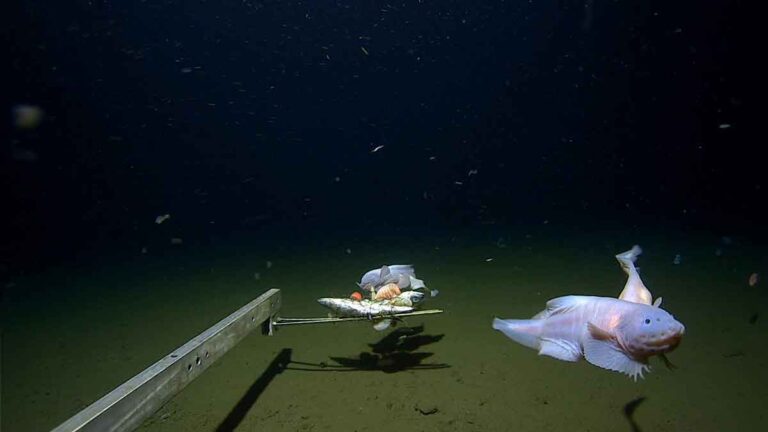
(615, 334)
(387, 291)
(634, 290)
(609, 333)
(402, 275)
(398, 274)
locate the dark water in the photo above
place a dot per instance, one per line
(507, 149)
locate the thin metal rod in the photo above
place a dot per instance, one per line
(280, 322)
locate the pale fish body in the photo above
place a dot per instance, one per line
(403, 275)
(397, 273)
(610, 333)
(634, 290)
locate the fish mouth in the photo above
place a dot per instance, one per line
(666, 344)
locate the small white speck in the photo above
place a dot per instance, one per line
(377, 148)
(162, 218)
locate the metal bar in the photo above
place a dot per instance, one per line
(280, 322)
(127, 406)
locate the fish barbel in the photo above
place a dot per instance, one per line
(365, 308)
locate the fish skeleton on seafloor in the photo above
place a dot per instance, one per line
(365, 308)
(615, 334)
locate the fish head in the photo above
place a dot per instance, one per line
(648, 331)
(415, 297)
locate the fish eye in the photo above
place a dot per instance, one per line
(647, 320)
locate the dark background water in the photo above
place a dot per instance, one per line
(245, 117)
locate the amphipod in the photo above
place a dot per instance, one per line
(388, 291)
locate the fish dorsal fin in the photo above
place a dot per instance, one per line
(657, 302)
(384, 272)
(406, 269)
(563, 304)
(602, 350)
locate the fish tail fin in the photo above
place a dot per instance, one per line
(634, 289)
(524, 332)
(627, 260)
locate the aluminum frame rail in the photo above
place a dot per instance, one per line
(126, 407)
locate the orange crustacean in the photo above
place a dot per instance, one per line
(356, 296)
(388, 291)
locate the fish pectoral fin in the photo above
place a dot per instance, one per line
(560, 349)
(384, 272)
(607, 355)
(657, 302)
(598, 333)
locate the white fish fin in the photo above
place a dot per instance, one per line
(416, 283)
(598, 333)
(657, 302)
(560, 349)
(403, 281)
(382, 325)
(434, 293)
(602, 350)
(563, 304)
(405, 269)
(629, 257)
(524, 332)
(384, 272)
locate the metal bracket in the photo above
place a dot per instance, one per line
(126, 407)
